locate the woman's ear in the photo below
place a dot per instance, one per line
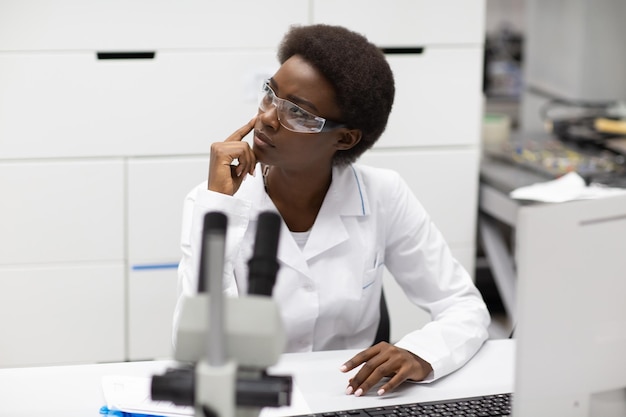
(348, 139)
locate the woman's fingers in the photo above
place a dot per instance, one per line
(242, 132)
(231, 161)
(248, 162)
(384, 360)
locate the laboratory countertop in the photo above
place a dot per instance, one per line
(76, 390)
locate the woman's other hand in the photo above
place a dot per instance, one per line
(384, 360)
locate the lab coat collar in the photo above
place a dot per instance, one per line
(348, 189)
(346, 197)
(289, 253)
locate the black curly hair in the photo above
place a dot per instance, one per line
(358, 71)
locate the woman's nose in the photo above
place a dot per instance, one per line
(270, 116)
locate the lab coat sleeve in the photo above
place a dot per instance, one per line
(421, 262)
(197, 203)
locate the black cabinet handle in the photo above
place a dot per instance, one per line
(404, 50)
(126, 55)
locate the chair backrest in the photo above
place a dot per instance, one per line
(383, 332)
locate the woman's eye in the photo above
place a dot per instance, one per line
(295, 111)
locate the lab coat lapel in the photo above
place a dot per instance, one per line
(288, 251)
(345, 198)
(290, 254)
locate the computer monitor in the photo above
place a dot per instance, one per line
(571, 331)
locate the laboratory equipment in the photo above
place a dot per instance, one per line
(225, 344)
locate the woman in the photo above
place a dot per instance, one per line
(327, 104)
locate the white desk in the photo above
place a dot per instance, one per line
(75, 391)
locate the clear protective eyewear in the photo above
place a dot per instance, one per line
(293, 117)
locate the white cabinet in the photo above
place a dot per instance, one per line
(107, 113)
(74, 105)
(145, 25)
(61, 261)
(61, 211)
(442, 182)
(438, 98)
(88, 91)
(155, 193)
(394, 23)
(152, 297)
(156, 190)
(62, 313)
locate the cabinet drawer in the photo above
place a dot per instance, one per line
(62, 314)
(156, 191)
(73, 105)
(407, 22)
(41, 25)
(438, 98)
(445, 183)
(152, 298)
(61, 211)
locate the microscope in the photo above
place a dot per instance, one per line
(224, 344)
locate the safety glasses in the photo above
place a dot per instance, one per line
(291, 116)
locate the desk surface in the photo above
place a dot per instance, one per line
(75, 391)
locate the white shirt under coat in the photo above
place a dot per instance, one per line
(329, 291)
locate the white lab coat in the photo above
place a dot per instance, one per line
(329, 291)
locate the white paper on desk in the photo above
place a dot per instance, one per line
(568, 187)
(132, 394)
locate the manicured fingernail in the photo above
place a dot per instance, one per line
(358, 392)
(349, 390)
(380, 391)
(343, 368)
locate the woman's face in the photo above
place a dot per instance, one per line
(300, 83)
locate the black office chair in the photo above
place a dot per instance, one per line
(383, 332)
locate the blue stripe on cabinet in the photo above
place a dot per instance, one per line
(145, 267)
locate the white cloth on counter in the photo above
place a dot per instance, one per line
(568, 187)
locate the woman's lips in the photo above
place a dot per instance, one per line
(262, 140)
